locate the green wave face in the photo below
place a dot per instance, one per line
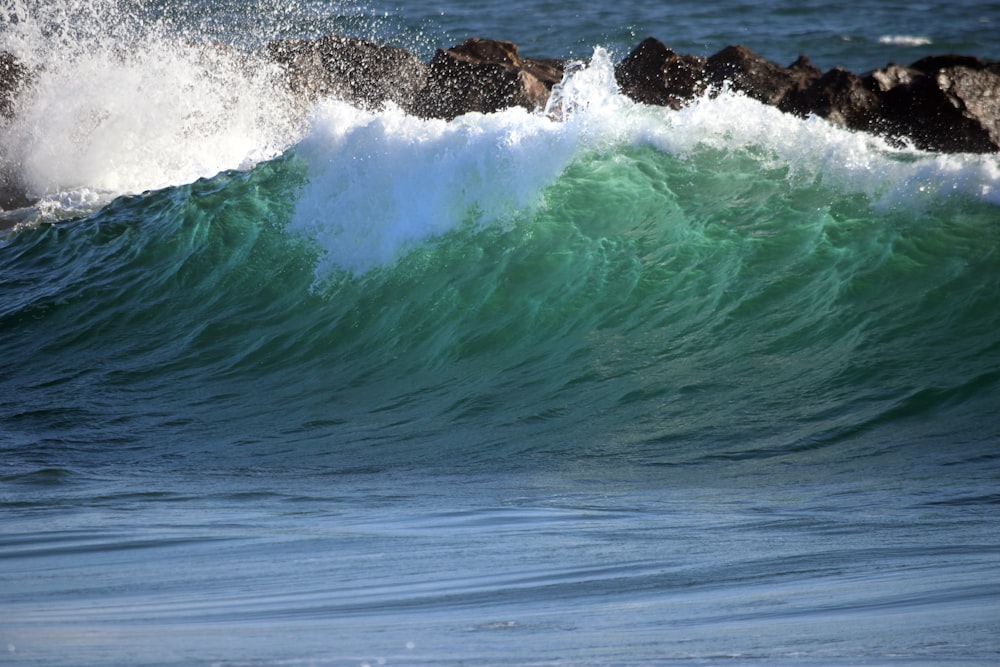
(642, 306)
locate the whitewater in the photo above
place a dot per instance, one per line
(288, 382)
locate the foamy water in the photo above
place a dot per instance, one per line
(130, 111)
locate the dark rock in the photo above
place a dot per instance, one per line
(804, 74)
(840, 97)
(356, 70)
(977, 93)
(12, 196)
(946, 107)
(14, 75)
(754, 76)
(655, 74)
(942, 103)
(933, 64)
(485, 76)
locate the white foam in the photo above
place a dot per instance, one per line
(381, 182)
(814, 150)
(123, 107)
(904, 40)
(110, 114)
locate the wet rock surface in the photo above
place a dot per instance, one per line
(14, 75)
(948, 103)
(363, 72)
(485, 75)
(654, 74)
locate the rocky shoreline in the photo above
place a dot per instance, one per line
(947, 103)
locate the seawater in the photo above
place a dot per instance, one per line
(604, 384)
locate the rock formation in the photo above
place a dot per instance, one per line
(840, 97)
(654, 74)
(363, 72)
(13, 77)
(486, 76)
(746, 72)
(948, 103)
(942, 103)
(480, 75)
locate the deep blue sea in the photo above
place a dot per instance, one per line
(290, 383)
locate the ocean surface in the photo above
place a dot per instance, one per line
(291, 383)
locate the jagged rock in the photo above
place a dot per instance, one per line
(934, 64)
(979, 95)
(804, 74)
(359, 71)
(840, 97)
(654, 74)
(946, 103)
(940, 103)
(882, 80)
(14, 76)
(801, 88)
(485, 75)
(753, 75)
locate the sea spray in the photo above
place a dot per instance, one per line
(119, 104)
(428, 177)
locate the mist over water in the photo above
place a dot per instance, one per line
(295, 383)
(121, 104)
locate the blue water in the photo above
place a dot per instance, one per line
(288, 383)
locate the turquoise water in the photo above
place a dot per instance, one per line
(318, 386)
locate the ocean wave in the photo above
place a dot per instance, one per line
(123, 104)
(605, 383)
(379, 182)
(615, 295)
